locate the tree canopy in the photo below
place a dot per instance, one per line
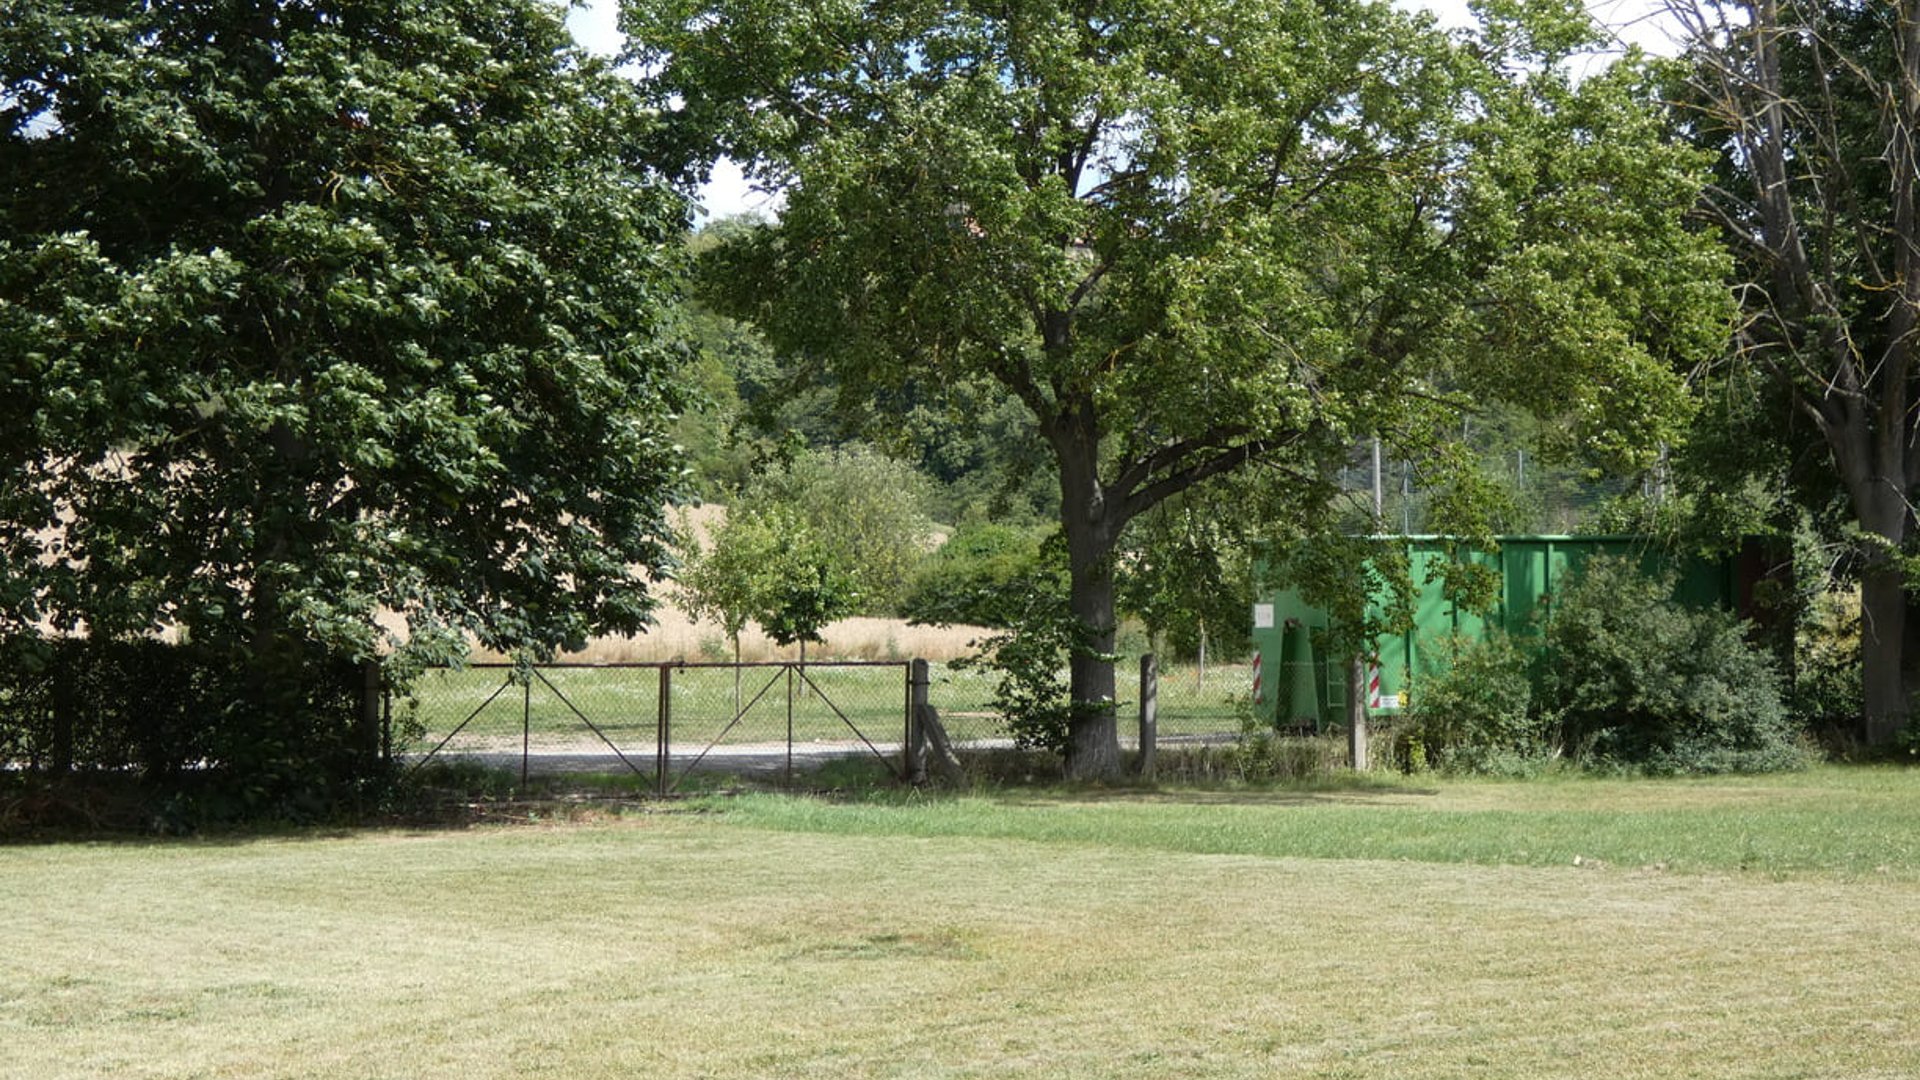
(312, 309)
(1197, 238)
(1812, 109)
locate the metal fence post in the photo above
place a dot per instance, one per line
(526, 728)
(663, 737)
(1149, 712)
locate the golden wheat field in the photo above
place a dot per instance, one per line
(676, 637)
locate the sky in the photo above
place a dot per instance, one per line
(1634, 22)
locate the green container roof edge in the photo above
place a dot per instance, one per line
(1522, 537)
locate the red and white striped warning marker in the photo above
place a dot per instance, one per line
(1259, 690)
(1374, 700)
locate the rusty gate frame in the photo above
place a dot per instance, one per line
(665, 780)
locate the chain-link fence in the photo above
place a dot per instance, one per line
(665, 722)
(658, 722)
(1197, 703)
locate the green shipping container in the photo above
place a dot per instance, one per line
(1297, 687)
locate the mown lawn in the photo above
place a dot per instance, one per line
(1763, 928)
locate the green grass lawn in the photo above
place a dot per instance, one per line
(1723, 928)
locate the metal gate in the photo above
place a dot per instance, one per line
(664, 722)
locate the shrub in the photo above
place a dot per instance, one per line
(1476, 714)
(1635, 679)
(1029, 660)
(207, 735)
(977, 577)
(1826, 696)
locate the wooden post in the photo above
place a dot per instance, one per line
(1357, 712)
(663, 733)
(927, 739)
(1149, 713)
(371, 686)
(526, 728)
(915, 761)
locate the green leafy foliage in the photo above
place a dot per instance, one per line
(979, 577)
(1808, 107)
(309, 310)
(1036, 643)
(178, 719)
(721, 583)
(1621, 676)
(1826, 686)
(1634, 678)
(1185, 573)
(767, 566)
(1477, 712)
(801, 586)
(1345, 576)
(1014, 581)
(1196, 240)
(865, 510)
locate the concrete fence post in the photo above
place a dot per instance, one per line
(915, 760)
(1357, 712)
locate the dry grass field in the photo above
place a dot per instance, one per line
(677, 637)
(1020, 934)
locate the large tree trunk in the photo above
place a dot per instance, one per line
(1883, 610)
(1880, 507)
(1093, 731)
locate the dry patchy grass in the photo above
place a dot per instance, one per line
(679, 945)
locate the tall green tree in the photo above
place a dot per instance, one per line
(1196, 238)
(1813, 109)
(865, 510)
(309, 309)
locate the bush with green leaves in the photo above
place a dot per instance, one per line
(767, 565)
(866, 510)
(1030, 654)
(1476, 713)
(1826, 696)
(976, 577)
(1636, 680)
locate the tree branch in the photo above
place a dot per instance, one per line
(1135, 502)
